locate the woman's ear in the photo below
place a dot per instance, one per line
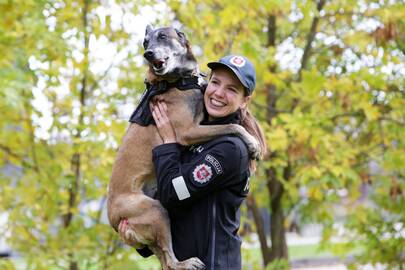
(245, 102)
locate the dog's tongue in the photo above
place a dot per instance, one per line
(157, 63)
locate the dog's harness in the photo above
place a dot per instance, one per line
(142, 114)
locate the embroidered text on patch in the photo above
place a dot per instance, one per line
(202, 173)
(214, 162)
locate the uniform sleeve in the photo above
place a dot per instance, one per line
(183, 183)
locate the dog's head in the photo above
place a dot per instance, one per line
(168, 52)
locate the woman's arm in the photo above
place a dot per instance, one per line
(182, 183)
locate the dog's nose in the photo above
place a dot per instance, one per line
(148, 54)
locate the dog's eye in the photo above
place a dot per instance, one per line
(162, 36)
(145, 43)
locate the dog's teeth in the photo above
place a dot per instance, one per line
(158, 64)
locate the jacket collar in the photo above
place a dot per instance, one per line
(233, 118)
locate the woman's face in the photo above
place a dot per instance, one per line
(225, 94)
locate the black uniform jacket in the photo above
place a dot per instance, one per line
(202, 187)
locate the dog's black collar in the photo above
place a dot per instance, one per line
(181, 84)
(142, 114)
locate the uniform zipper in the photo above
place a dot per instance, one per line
(213, 233)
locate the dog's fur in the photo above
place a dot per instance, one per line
(169, 58)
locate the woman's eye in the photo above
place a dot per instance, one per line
(233, 90)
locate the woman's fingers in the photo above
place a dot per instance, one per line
(164, 107)
(122, 228)
(157, 116)
(162, 110)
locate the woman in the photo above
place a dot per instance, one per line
(202, 186)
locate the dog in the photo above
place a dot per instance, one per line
(169, 57)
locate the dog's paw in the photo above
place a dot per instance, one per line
(254, 148)
(255, 153)
(190, 264)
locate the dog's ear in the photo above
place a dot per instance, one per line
(148, 30)
(182, 37)
(146, 39)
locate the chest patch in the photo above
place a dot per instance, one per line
(202, 173)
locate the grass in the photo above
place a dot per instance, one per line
(307, 251)
(251, 258)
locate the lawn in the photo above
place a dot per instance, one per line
(251, 258)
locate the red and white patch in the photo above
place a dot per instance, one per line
(202, 173)
(238, 61)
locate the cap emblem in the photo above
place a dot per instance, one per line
(238, 61)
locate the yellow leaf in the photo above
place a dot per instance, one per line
(277, 139)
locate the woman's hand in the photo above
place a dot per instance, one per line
(163, 124)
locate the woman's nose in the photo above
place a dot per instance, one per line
(219, 91)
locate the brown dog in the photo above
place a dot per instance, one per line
(169, 57)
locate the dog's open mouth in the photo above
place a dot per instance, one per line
(158, 64)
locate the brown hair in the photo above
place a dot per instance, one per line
(252, 126)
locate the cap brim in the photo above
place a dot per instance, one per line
(213, 65)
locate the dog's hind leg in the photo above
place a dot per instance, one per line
(164, 251)
(152, 228)
(169, 261)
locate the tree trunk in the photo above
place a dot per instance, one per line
(277, 231)
(258, 219)
(76, 157)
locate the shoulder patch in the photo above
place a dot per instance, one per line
(215, 163)
(202, 173)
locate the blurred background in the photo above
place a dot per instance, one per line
(330, 97)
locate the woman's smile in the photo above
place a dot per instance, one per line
(217, 103)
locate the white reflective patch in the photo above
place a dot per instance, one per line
(181, 188)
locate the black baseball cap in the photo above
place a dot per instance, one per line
(241, 66)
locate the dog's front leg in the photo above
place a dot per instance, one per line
(203, 133)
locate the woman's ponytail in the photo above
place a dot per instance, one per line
(252, 126)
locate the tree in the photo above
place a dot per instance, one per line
(329, 95)
(61, 151)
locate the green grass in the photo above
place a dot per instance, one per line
(294, 252)
(251, 258)
(307, 251)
